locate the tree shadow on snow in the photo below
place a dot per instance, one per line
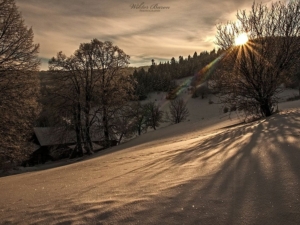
(246, 175)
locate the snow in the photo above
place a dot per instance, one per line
(203, 171)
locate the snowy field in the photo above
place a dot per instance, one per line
(202, 171)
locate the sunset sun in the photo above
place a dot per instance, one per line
(241, 39)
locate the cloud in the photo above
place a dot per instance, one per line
(180, 30)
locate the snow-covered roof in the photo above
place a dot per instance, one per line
(48, 136)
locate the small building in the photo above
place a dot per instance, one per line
(53, 143)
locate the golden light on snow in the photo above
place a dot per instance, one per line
(241, 39)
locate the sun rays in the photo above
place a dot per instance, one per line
(241, 48)
(241, 39)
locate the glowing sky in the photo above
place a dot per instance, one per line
(181, 29)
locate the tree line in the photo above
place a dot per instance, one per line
(163, 76)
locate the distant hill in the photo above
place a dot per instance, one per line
(43, 75)
(130, 69)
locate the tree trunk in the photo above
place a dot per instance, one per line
(77, 151)
(105, 127)
(120, 139)
(266, 108)
(88, 141)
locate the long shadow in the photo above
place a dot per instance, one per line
(260, 176)
(257, 182)
(243, 175)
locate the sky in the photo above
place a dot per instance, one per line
(145, 30)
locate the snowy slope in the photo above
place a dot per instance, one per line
(198, 172)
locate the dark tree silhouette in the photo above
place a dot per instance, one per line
(93, 75)
(18, 83)
(138, 113)
(154, 115)
(178, 111)
(251, 74)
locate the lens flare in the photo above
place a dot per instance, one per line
(241, 39)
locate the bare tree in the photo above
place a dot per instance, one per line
(66, 96)
(139, 114)
(93, 75)
(154, 115)
(18, 82)
(251, 73)
(178, 110)
(123, 124)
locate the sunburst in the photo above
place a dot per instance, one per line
(241, 39)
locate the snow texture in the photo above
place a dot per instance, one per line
(203, 171)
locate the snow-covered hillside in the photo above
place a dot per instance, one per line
(203, 171)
